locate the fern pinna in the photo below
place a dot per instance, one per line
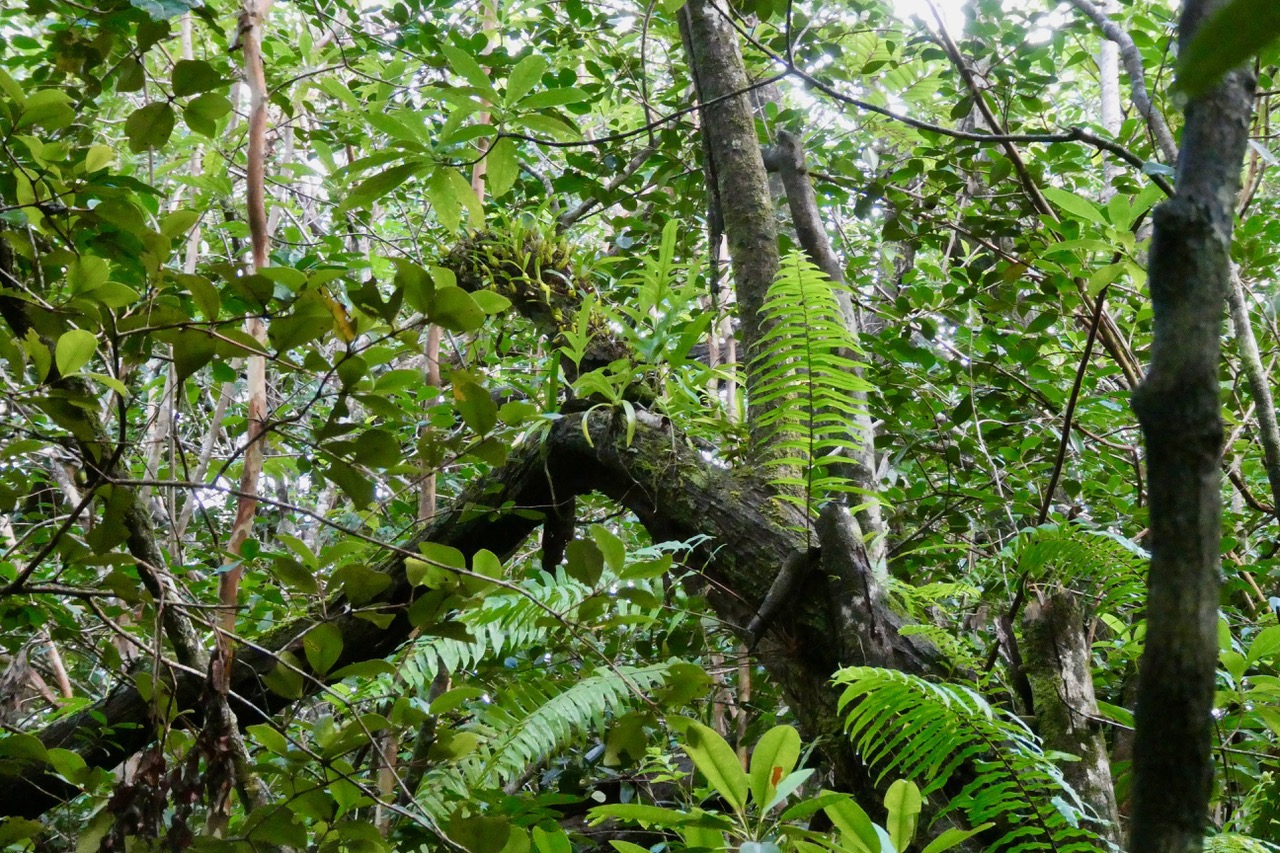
(905, 726)
(806, 384)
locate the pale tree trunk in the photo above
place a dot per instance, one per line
(1109, 86)
(1179, 407)
(222, 725)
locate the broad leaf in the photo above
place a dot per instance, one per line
(718, 762)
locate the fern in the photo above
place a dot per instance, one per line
(501, 626)
(920, 604)
(532, 722)
(904, 726)
(806, 383)
(541, 719)
(1105, 565)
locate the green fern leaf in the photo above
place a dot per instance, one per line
(805, 381)
(904, 726)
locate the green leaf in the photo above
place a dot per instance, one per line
(903, 803)
(49, 108)
(627, 847)
(952, 837)
(192, 350)
(466, 67)
(860, 833)
(323, 646)
(772, 760)
(132, 75)
(161, 10)
(552, 126)
(357, 486)
(359, 583)
(553, 98)
(87, 273)
(378, 448)
(614, 551)
(466, 195)
(584, 562)
(479, 834)
(364, 670)
(150, 126)
(452, 745)
(416, 284)
(285, 679)
(70, 765)
(551, 841)
(644, 815)
(202, 291)
(486, 563)
(788, 786)
(501, 167)
(455, 309)
(474, 403)
(11, 90)
(444, 200)
(491, 303)
(23, 747)
(74, 350)
(192, 76)
(444, 555)
(717, 761)
(1078, 208)
(1232, 35)
(178, 223)
(98, 157)
(15, 829)
(202, 113)
(524, 77)
(1265, 645)
(380, 184)
(274, 827)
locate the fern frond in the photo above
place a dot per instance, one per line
(904, 726)
(541, 719)
(501, 626)
(1105, 565)
(805, 382)
(535, 721)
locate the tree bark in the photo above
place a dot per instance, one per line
(1179, 409)
(1058, 664)
(741, 184)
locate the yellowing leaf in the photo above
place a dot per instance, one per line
(74, 350)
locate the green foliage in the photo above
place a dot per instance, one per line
(1103, 565)
(526, 723)
(806, 384)
(757, 820)
(1233, 34)
(529, 686)
(903, 724)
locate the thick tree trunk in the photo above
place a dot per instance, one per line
(737, 164)
(1178, 406)
(1058, 663)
